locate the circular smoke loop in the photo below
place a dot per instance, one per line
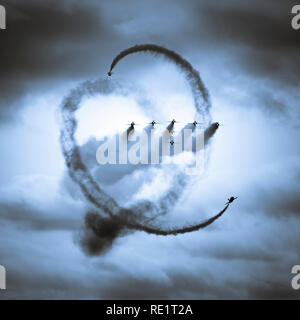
(109, 220)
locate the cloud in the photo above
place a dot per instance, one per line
(259, 35)
(239, 257)
(48, 43)
(38, 54)
(41, 205)
(247, 55)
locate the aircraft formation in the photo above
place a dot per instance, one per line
(171, 124)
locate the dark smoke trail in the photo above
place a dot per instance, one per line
(162, 232)
(210, 131)
(101, 231)
(77, 170)
(200, 93)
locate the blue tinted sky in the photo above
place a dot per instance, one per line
(248, 57)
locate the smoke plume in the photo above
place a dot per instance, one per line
(109, 220)
(199, 91)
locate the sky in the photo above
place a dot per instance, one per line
(248, 57)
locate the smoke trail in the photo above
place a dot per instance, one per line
(100, 233)
(199, 91)
(175, 231)
(110, 221)
(77, 170)
(210, 131)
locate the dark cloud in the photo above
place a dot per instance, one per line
(280, 202)
(99, 233)
(43, 284)
(279, 199)
(30, 218)
(182, 285)
(258, 34)
(259, 25)
(47, 42)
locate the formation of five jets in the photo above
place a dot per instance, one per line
(170, 126)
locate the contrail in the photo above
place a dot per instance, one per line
(110, 220)
(77, 170)
(175, 231)
(200, 93)
(100, 233)
(124, 221)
